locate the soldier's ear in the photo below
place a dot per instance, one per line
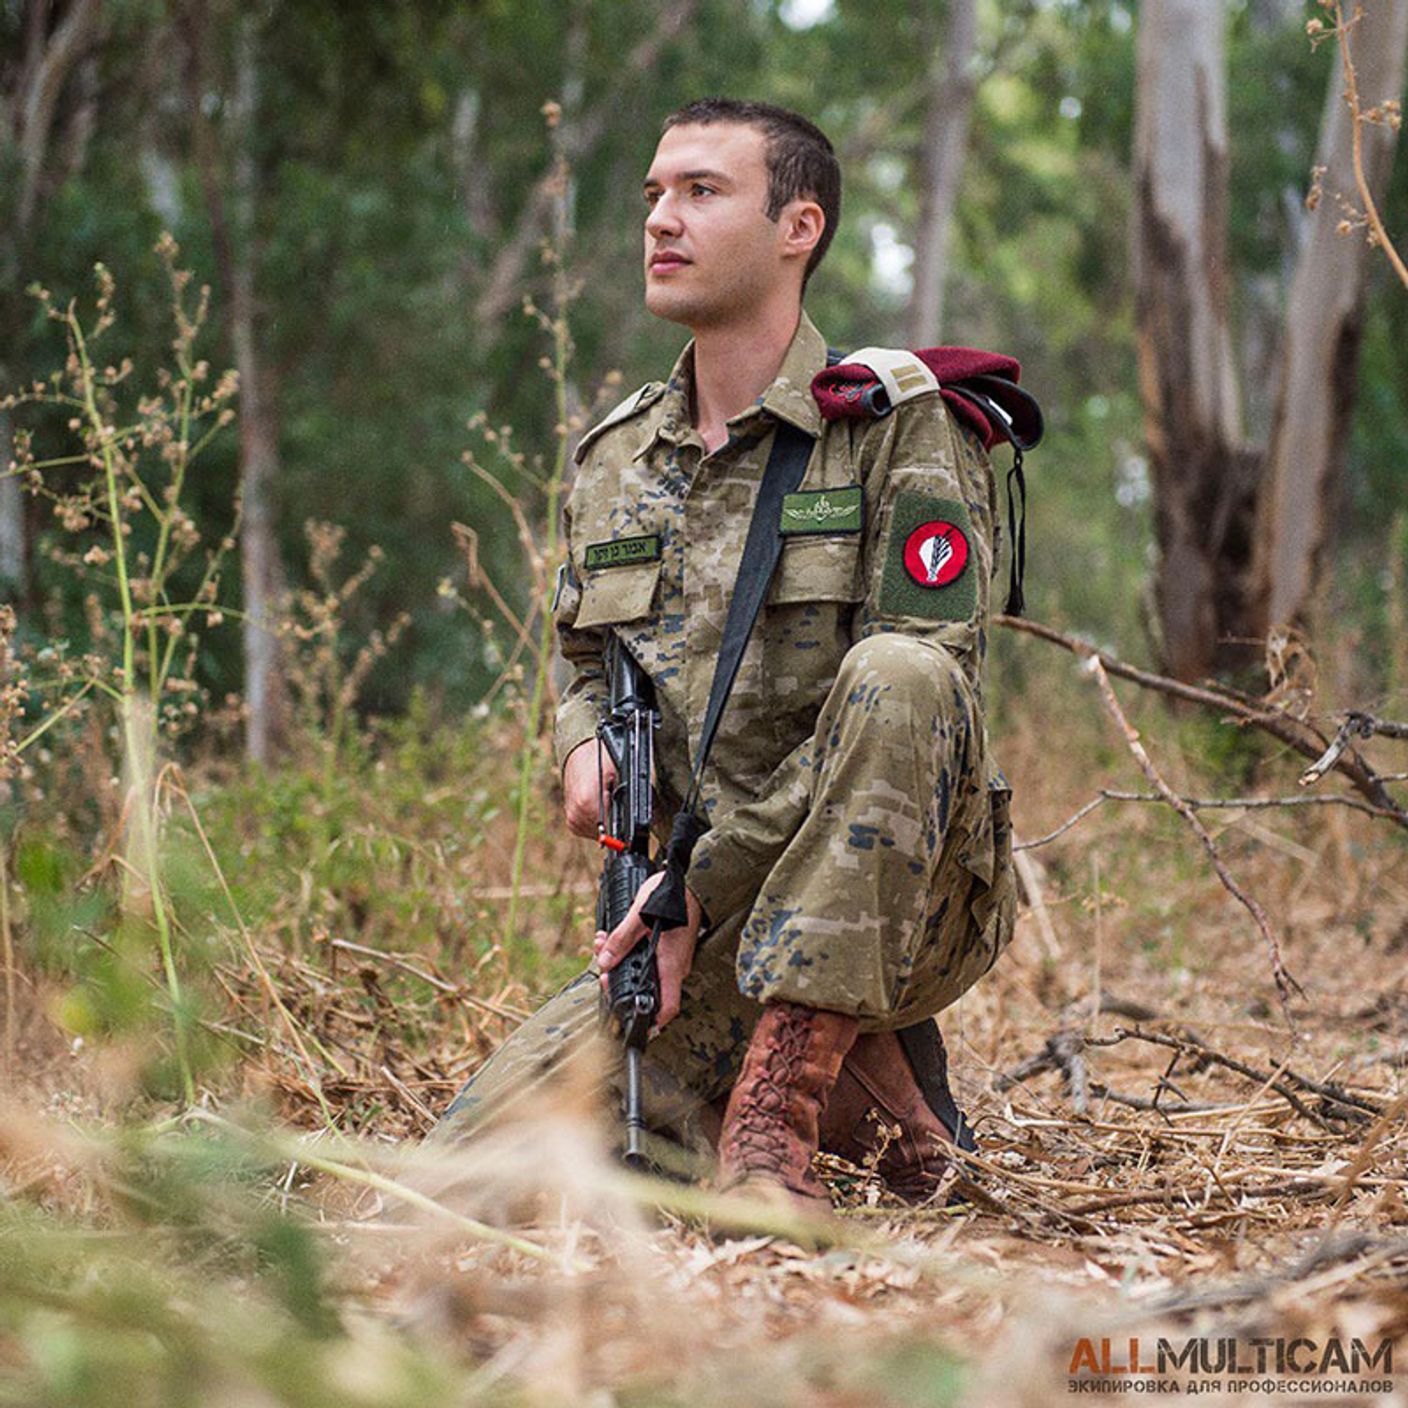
(803, 223)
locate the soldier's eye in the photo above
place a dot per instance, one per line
(706, 190)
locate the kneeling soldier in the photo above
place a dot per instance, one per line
(856, 876)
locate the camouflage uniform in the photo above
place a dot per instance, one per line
(859, 857)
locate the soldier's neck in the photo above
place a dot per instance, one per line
(734, 364)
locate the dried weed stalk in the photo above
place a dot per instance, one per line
(118, 500)
(1388, 113)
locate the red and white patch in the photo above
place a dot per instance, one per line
(936, 553)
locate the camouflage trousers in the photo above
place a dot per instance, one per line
(888, 901)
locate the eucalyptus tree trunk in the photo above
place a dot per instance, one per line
(1320, 341)
(14, 573)
(1203, 477)
(261, 570)
(1263, 293)
(947, 114)
(1242, 531)
(55, 43)
(234, 236)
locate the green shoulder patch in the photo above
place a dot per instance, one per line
(622, 552)
(822, 511)
(929, 559)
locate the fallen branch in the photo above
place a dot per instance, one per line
(1285, 983)
(1298, 1187)
(1329, 1252)
(1357, 1106)
(1153, 1105)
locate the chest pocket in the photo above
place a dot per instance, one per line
(818, 569)
(613, 595)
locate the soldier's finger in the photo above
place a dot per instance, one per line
(620, 941)
(608, 781)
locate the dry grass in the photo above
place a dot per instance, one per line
(1125, 1187)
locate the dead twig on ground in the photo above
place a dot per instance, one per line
(1354, 1174)
(1331, 1251)
(1356, 1106)
(1297, 1187)
(396, 960)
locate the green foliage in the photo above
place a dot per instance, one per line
(195, 1290)
(394, 156)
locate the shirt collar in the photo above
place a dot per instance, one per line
(787, 397)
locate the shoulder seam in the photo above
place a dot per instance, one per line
(641, 397)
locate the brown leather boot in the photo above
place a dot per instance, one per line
(770, 1129)
(877, 1078)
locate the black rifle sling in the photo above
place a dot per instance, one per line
(791, 450)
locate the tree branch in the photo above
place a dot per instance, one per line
(1109, 794)
(1306, 740)
(1358, 119)
(1285, 983)
(38, 103)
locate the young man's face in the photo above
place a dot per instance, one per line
(711, 253)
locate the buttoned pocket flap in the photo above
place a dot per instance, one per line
(989, 851)
(613, 595)
(818, 569)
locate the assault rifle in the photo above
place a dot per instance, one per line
(627, 735)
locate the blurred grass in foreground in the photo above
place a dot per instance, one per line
(337, 930)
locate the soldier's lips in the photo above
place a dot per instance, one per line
(667, 263)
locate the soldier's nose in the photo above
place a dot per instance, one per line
(662, 219)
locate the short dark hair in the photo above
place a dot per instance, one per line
(801, 161)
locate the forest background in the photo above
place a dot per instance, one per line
(364, 188)
(419, 226)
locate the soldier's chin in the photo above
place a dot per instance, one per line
(672, 305)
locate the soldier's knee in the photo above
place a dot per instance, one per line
(890, 671)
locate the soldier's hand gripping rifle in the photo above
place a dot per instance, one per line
(627, 734)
